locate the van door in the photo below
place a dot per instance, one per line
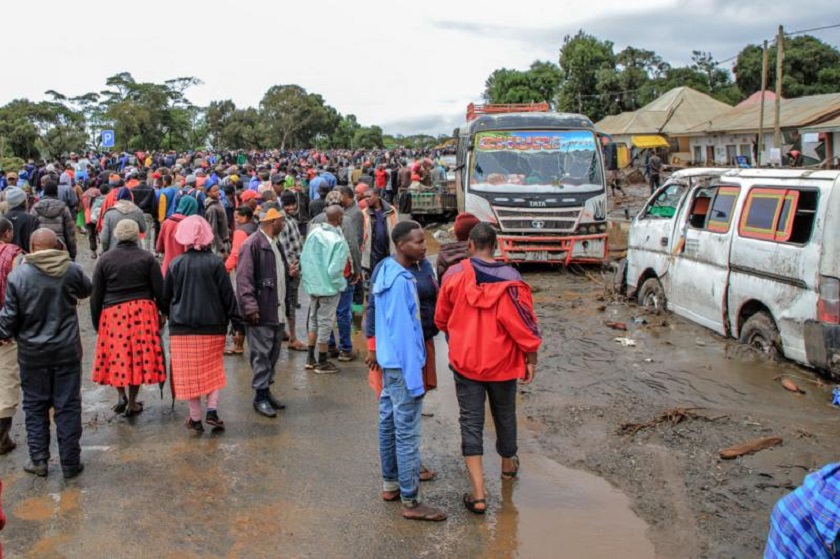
(700, 271)
(651, 234)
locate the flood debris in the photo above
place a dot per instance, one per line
(791, 386)
(626, 342)
(674, 416)
(616, 325)
(750, 447)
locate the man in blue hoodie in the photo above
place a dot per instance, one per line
(400, 351)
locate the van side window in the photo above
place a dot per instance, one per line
(724, 203)
(778, 214)
(712, 207)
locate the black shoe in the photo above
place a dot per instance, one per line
(264, 408)
(333, 353)
(310, 364)
(275, 403)
(194, 425)
(346, 356)
(213, 420)
(326, 368)
(37, 467)
(70, 473)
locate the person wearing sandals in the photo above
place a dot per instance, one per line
(200, 302)
(125, 304)
(487, 311)
(400, 352)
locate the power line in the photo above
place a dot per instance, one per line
(772, 40)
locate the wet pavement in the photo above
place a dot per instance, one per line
(307, 484)
(303, 485)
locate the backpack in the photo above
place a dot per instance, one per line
(96, 208)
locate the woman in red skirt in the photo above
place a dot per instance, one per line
(127, 297)
(199, 297)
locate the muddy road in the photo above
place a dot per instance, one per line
(306, 484)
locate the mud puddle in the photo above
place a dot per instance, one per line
(550, 511)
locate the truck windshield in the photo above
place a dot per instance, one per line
(544, 161)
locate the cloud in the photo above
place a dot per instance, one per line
(432, 124)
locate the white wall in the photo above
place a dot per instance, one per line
(742, 142)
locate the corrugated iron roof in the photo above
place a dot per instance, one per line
(795, 113)
(832, 125)
(674, 113)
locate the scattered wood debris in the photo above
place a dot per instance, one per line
(791, 386)
(673, 416)
(750, 447)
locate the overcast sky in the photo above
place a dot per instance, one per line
(409, 67)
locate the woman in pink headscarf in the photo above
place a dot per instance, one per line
(200, 302)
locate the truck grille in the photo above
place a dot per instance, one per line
(530, 220)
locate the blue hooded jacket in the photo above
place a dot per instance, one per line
(399, 332)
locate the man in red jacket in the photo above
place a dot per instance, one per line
(487, 311)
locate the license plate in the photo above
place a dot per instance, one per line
(537, 256)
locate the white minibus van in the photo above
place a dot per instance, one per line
(750, 253)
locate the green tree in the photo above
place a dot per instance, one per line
(536, 85)
(344, 133)
(295, 117)
(18, 134)
(810, 67)
(584, 62)
(369, 137)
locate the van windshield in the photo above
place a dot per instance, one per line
(545, 161)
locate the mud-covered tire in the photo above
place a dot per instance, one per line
(761, 334)
(652, 296)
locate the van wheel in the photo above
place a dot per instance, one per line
(760, 333)
(652, 295)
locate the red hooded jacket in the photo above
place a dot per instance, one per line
(491, 326)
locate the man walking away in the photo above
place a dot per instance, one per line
(261, 281)
(401, 353)
(323, 265)
(24, 223)
(216, 216)
(487, 310)
(53, 214)
(40, 313)
(145, 198)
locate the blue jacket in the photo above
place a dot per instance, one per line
(399, 332)
(313, 187)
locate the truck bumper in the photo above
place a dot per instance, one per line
(822, 346)
(553, 249)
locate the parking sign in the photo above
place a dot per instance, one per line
(108, 139)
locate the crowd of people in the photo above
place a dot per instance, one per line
(168, 233)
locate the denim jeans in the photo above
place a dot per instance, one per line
(344, 318)
(471, 395)
(60, 388)
(399, 436)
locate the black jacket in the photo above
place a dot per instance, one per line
(24, 225)
(40, 313)
(145, 199)
(198, 295)
(125, 273)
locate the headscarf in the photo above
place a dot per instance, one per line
(187, 206)
(194, 232)
(127, 230)
(125, 194)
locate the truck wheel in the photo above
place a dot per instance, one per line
(652, 295)
(760, 333)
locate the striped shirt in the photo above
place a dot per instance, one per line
(806, 523)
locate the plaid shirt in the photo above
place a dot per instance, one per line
(806, 523)
(290, 240)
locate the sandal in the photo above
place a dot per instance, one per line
(471, 503)
(512, 475)
(426, 474)
(422, 511)
(131, 413)
(391, 496)
(121, 406)
(298, 346)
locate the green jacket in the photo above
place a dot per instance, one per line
(323, 261)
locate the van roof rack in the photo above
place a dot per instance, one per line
(474, 110)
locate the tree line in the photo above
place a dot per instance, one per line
(591, 78)
(149, 116)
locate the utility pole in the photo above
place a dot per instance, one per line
(780, 57)
(761, 114)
